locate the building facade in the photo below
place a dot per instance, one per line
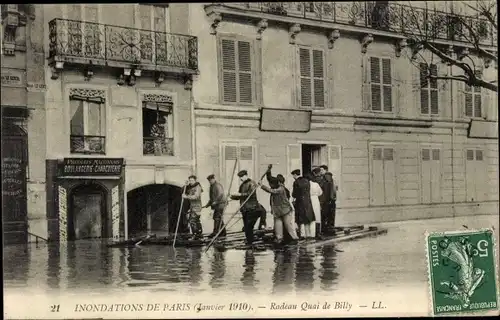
(302, 84)
(116, 144)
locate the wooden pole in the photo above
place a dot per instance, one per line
(179, 215)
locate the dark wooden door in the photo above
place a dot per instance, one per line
(14, 189)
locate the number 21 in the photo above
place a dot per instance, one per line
(54, 308)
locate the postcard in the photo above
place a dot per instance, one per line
(250, 160)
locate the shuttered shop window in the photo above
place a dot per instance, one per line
(237, 71)
(312, 78)
(383, 176)
(381, 84)
(428, 89)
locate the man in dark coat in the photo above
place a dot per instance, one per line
(217, 202)
(193, 194)
(251, 209)
(304, 214)
(329, 201)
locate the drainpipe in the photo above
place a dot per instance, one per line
(193, 135)
(452, 143)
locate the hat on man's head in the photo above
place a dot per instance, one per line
(296, 172)
(242, 173)
(210, 177)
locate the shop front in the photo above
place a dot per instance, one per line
(90, 198)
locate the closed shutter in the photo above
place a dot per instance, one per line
(228, 56)
(237, 71)
(435, 176)
(366, 86)
(377, 177)
(319, 79)
(424, 92)
(375, 80)
(312, 78)
(478, 111)
(294, 155)
(230, 158)
(443, 92)
(335, 164)
(434, 100)
(469, 101)
(482, 187)
(387, 84)
(426, 176)
(390, 176)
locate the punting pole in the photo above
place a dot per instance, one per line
(179, 215)
(234, 214)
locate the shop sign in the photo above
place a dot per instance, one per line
(12, 177)
(36, 87)
(92, 167)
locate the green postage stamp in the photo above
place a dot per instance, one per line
(462, 271)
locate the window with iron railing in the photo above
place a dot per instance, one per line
(157, 126)
(88, 125)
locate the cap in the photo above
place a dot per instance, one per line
(296, 172)
(210, 177)
(242, 173)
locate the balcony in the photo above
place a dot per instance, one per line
(158, 146)
(382, 18)
(89, 43)
(87, 144)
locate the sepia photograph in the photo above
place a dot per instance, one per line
(250, 159)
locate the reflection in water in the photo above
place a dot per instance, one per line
(248, 279)
(304, 270)
(327, 273)
(90, 264)
(16, 265)
(284, 269)
(218, 269)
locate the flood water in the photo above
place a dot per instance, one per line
(396, 259)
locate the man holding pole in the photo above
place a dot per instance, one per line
(217, 202)
(193, 194)
(251, 209)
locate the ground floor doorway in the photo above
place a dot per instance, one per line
(313, 155)
(88, 216)
(155, 208)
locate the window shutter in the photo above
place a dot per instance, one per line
(305, 77)
(377, 154)
(478, 110)
(387, 84)
(479, 155)
(245, 72)
(391, 192)
(443, 92)
(228, 55)
(366, 86)
(319, 78)
(246, 159)
(377, 184)
(426, 155)
(230, 157)
(388, 154)
(376, 94)
(468, 101)
(335, 164)
(470, 155)
(434, 90)
(436, 176)
(435, 154)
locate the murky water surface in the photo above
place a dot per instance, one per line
(393, 260)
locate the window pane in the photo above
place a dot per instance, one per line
(94, 119)
(77, 126)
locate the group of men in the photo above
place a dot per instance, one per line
(252, 211)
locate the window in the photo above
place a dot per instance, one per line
(428, 89)
(312, 78)
(383, 176)
(88, 121)
(475, 175)
(157, 129)
(473, 107)
(237, 78)
(156, 45)
(378, 85)
(430, 179)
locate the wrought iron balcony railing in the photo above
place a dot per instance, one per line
(87, 144)
(70, 40)
(156, 146)
(383, 15)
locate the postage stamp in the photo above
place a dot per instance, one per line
(462, 271)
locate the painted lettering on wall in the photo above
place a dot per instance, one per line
(12, 177)
(92, 166)
(13, 78)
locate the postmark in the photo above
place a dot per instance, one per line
(462, 271)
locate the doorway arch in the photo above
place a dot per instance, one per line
(154, 208)
(88, 214)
